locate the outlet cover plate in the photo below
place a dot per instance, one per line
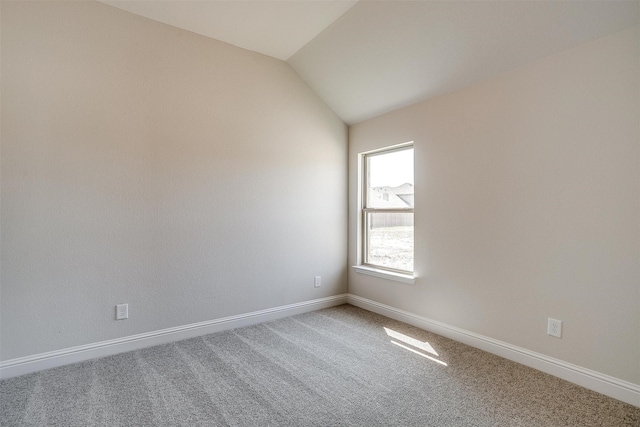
(554, 328)
(122, 311)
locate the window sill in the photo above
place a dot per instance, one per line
(397, 277)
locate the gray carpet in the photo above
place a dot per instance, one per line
(334, 367)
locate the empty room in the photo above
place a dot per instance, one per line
(319, 213)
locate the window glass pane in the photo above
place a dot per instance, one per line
(390, 179)
(390, 240)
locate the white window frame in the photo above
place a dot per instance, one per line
(365, 266)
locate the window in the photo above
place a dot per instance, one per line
(387, 209)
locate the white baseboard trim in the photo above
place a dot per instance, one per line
(601, 383)
(53, 359)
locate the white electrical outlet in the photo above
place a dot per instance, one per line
(554, 328)
(317, 281)
(122, 311)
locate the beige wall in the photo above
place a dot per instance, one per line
(527, 206)
(143, 164)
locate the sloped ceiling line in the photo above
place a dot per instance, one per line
(365, 58)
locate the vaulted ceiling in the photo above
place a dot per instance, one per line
(368, 57)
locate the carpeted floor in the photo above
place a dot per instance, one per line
(341, 366)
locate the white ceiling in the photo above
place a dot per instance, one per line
(382, 55)
(369, 57)
(277, 28)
